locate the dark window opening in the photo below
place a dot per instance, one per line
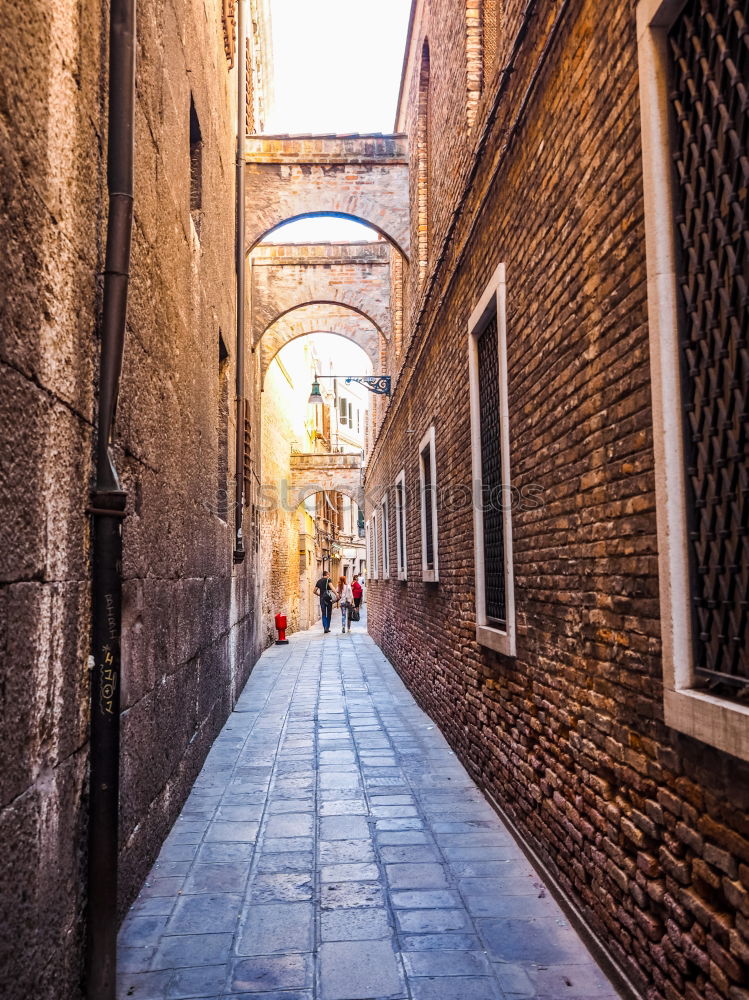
(385, 540)
(247, 442)
(426, 461)
(401, 526)
(710, 77)
(491, 476)
(196, 164)
(222, 491)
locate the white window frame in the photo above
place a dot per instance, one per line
(400, 521)
(385, 526)
(373, 561)
(428, 575)
(493, 299)
(713, 720)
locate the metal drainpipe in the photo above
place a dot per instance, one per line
(240, 263)
(107, 510)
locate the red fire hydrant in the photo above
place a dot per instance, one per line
(281, 626)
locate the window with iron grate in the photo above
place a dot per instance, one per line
(385, 538)
(709, 86)
(428, 490)
(222, 487)
(400, 525)
(373, 562)
(247, 464)
(491, 475)
(490, 463)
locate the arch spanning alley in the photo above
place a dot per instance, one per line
(319, 318)
(364, 178)
(326, 473)
(285, 277)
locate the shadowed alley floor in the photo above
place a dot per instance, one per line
(334, 848)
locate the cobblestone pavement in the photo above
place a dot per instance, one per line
(334, 848)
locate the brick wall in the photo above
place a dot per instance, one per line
(645, 829)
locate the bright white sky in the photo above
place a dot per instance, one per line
(337, 64)
(337, 68)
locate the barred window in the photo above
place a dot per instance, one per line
(222, 490)
(373, 549)
(385, 539)
(693, 84)
(491, 475)
(711, 158)
(400, 527)
(490, 444)
(428, 484)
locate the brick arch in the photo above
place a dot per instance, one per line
(285, 277)
(319, 318)
(364, 178)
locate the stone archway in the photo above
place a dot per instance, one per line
(284, 277)
(326, 473)
(357, 177)
(319, 318)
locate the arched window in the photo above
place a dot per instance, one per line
(423, 157)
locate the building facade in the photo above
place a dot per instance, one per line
(539, 494)
(189, 635)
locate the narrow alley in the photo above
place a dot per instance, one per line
(433, 312)
(334, 848)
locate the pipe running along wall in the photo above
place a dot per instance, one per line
(107, 510)
(240, 264)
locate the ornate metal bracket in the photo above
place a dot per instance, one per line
(379, 384)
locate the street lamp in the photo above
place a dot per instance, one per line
(379, 384)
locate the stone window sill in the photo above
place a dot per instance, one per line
(495, 639)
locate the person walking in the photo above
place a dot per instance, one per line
(346, 597)
(356, 589)
(327, 595)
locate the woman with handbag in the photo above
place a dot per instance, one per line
(346, 598)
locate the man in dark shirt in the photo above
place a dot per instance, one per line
(322, 588)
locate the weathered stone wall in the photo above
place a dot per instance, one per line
(51, 136)
(645, 829)
(188, 637)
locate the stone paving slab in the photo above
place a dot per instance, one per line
(333, 848)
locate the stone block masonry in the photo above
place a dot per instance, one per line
(355, 276)
(188, 626)
(645, 829)
(363, 177)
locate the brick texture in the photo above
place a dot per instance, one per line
(645, 829)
